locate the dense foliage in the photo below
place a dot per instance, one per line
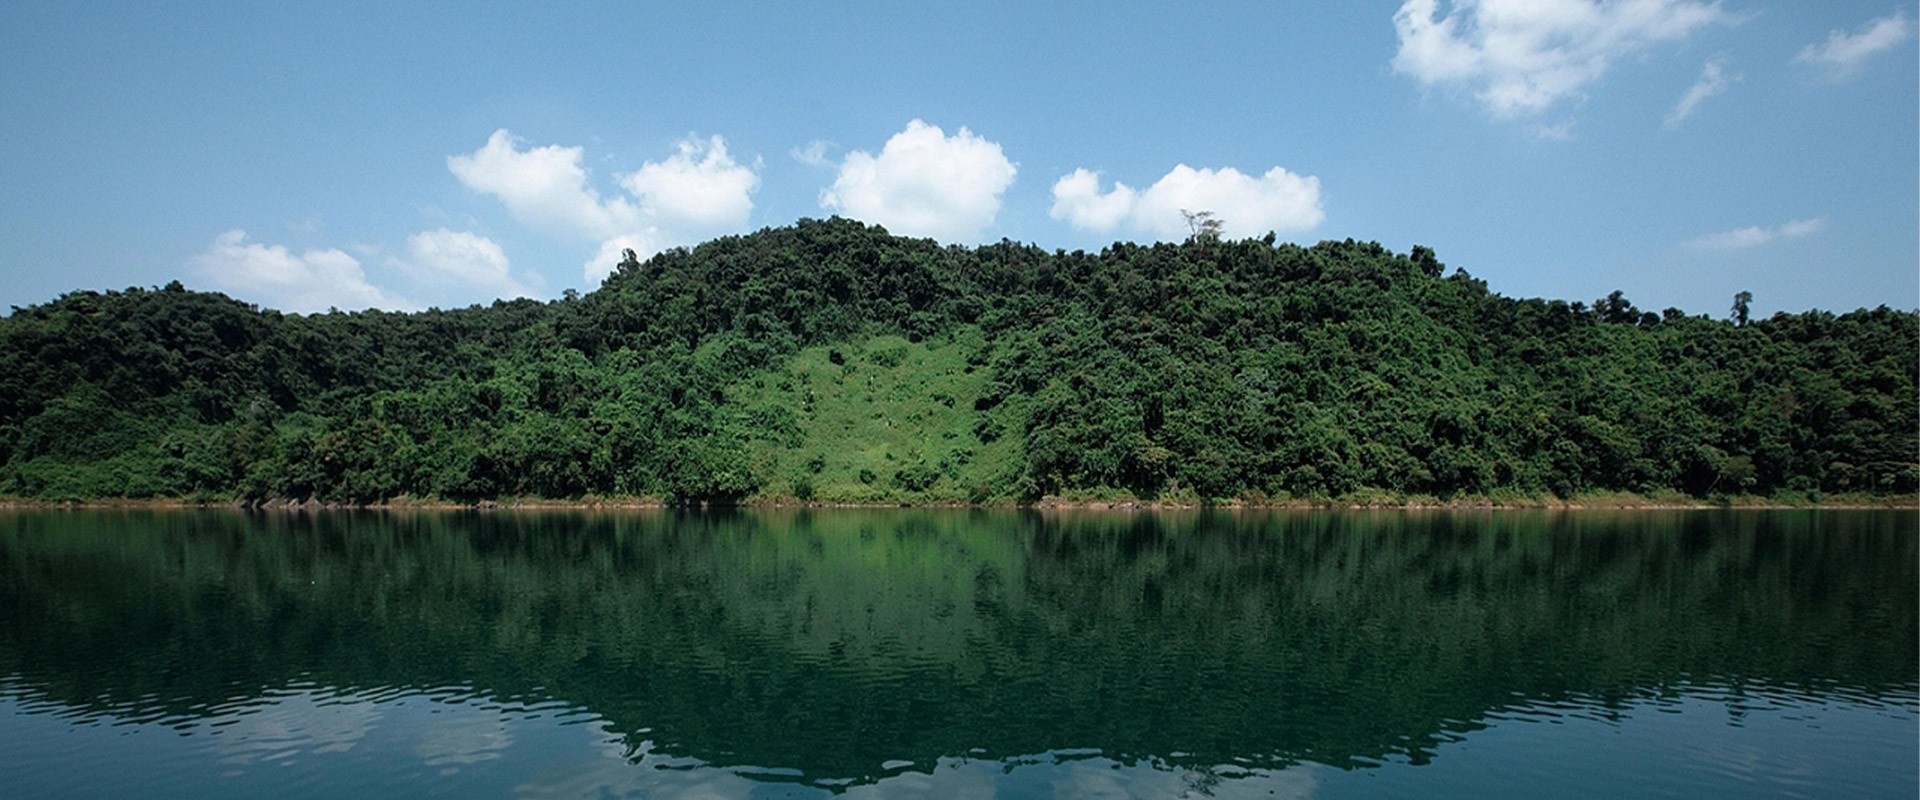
(832, 361)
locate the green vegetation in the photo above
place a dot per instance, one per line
(879, 420)
(832, 362)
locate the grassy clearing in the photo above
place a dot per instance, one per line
(882, 420)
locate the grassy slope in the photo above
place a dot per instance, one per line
(893, 421)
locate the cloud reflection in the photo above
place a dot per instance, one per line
(642, 773)
(297, 723)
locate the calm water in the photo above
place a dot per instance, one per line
(959, 654)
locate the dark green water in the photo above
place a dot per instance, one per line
(960, 654)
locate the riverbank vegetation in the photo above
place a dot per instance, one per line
(831, 362)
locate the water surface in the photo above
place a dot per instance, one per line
(960, 653)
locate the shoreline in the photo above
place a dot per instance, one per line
(1607, 502)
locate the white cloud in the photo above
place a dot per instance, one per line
(1522, 57)
(697, 193)
(924, 183)
(1754, 236)
(812, 154)
(1713, 80)
(1078, 200)
(1276, 201)
(698, 190)
(1245, 205)
(543, 187)
(1842, 53)
(270, 275)
(472, 263)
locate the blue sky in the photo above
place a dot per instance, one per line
(414, 155)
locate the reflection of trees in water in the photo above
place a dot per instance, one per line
(833, 641)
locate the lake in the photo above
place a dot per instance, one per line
(960, 653)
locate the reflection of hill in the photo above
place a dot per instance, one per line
(833, 641)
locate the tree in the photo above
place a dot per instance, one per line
(629, 262)
(1428, 263)
(1740, 302)
(1205, 226)
(1615, 308)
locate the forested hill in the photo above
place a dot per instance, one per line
(831, 361)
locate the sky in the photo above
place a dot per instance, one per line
(412, 155)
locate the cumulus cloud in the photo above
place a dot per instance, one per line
(543, 187)
(1246, 205)
(273, 276)
(924, 183)
(1842, 53)
(1713, 80)
(463, 262)
(1522, 57)
(1756, 235)
(700, 189)
(1078, 200)
(698, 192)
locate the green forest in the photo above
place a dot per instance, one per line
(829, 361)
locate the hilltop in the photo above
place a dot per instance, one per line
(829, 361)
